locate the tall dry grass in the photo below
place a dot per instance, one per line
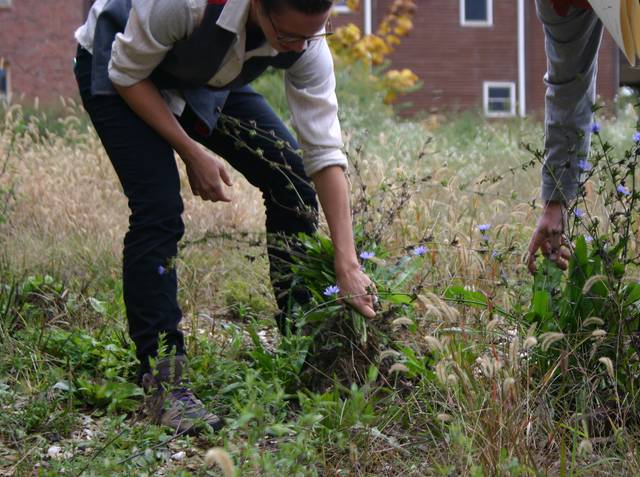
(438, 182)
(69, 207)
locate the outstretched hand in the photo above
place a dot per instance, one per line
(549, 238)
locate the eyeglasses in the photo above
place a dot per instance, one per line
(328, 31)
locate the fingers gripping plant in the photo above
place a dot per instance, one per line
(345, 345)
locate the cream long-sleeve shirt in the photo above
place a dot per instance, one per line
(155, 25)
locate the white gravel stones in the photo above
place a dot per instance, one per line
(54, 452)
(179, 456)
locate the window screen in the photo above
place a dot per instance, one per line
(476, 10)
(499, 99)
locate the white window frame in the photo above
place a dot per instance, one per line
(341, 9)
(5, 3)
(476, 23)
(486, 86)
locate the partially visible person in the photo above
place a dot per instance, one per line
(573, 33)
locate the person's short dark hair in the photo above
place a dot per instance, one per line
(304, 6)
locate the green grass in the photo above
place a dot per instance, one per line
(467, 400)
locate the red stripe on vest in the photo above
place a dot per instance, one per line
(216, 2)
(201, 128)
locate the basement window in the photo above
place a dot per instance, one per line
(499, 99)
(340, 6)
(476, 13)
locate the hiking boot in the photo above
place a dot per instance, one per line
(171, 403)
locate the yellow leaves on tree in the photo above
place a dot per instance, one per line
(353, 4)
(371, 48)
(349, 44)
(398, 82)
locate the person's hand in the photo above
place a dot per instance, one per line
(548, 237)
(357, 289)
(207, 175)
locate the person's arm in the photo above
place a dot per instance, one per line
(151, 29)
(333, 193)
(206, 172)
(571, 44)
(310, 88)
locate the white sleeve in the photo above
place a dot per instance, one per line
(310, 87)
(152, 29)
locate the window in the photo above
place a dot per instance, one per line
(340, 6)
(499, 99)
(5, 80)
(476, 13)
(5, 3)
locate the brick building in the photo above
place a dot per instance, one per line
(465, 51)
(37, 47)
(467, 54)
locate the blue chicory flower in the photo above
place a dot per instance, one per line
(364, 255)
(331, 290)
(588, 238)
(161, 270)
(484, 238)
(419, 251)
(623, 190)
(636, 136)
(595, 128)
(584, 165)
(484, 227)
(579, 213)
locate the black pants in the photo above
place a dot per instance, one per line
(147, 170)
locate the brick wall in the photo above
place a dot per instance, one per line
(453, 61)
(36, 38)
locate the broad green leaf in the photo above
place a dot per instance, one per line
(397, 298)
(580, 252)
(279, 430)
(631, 293)
(540, 304)
(97, 305)
(618, 269)
(230, 387)
(471, 298)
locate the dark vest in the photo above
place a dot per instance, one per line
(183, 67)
